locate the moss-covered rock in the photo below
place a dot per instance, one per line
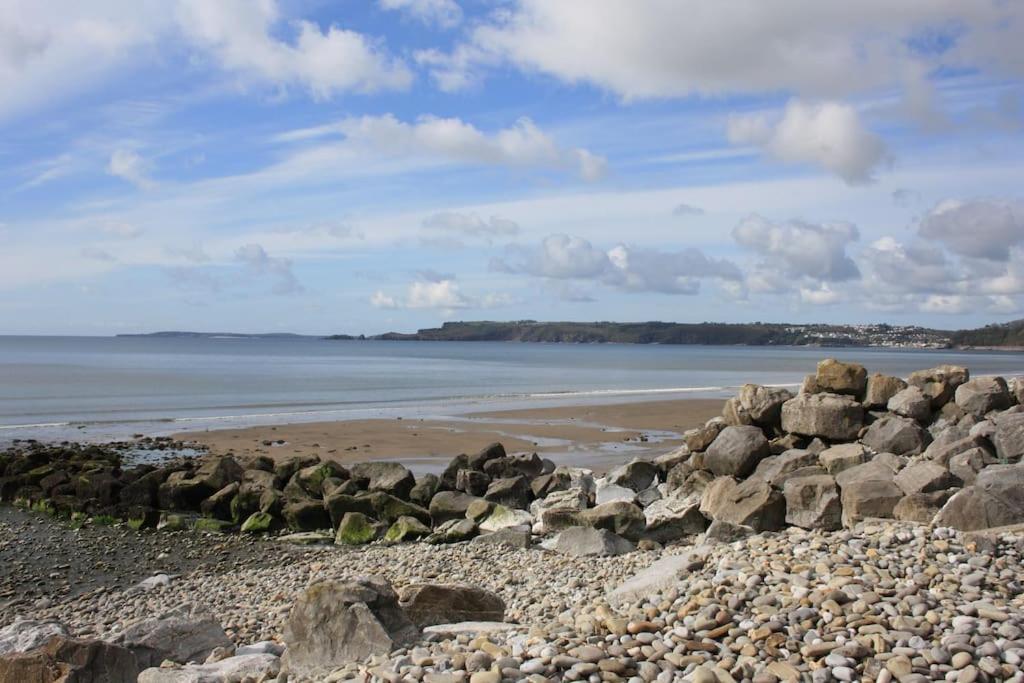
(260, 523)
(143, 518)
(358, 529)
(172, 522)
(406, 529)
(46, 506)
(212, 526)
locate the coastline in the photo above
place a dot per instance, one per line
(596, 435)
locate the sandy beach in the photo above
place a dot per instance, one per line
(595, 435)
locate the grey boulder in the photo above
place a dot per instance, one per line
(736, 451)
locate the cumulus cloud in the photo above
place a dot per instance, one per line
(909, 268)
(984, 228)
(451, 139)
(442, 293)
(800, 249)
(674, 48)
(442, 13)
(829, 135)
(278, 270)
(822, 295)
(129, 166)
(565, 257)
(471, 224)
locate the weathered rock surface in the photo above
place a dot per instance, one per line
(829, 416)
(982, 395)
(836, 377)
(812, 502)
(182, 635)
(899, 435)
(587, 541)
(752, 503)
(996, 499)
(736, 451)
(427, 604)
(911, 402)
(880, 389)
(246, 667)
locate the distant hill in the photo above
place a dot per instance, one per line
(1009, 334)
(747, 334)
(224, 335)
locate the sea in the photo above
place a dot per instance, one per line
(107, 388)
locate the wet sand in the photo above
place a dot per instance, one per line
(596, 436)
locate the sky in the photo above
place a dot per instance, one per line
(344, 166)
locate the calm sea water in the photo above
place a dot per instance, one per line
(94, 388)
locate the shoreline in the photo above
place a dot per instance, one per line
(596, 435)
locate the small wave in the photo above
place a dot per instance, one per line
(38, 425)
(628, 392)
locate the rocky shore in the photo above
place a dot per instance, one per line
(861, 529)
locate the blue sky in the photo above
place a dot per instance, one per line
(338, 166)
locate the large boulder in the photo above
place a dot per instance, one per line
(736, 451)
(254, 484)
(625, 519)
(358, 529)
(610, 493)
(881, 388)
(763, 404)
(734, 414)
(65, 660)
(812, 502)
(588, 542)
(948, 445)
(485, 455)
(868, 490)
(752, 503)
(424, 490)
(427, 604)
(406, 529)
(836, 377)
(670, 519)
(529, 465)
(501, 517)
(388, 508)
(899, 435)
(218, 505)
(636, 475)
(244, 667)
(995, 499)
(311, 478)
(390, 477)
(920, 507)
(966, 465)
(842, 457)
(983, 395)
(306, 515)
(911, 402)
(699, 438)
(185, 634)
(778, 468)
(448, 505)
(510, 537)
(925, 477)
(513, 492)
(27, 634)
(472, 482)
(333, 623)
(453, 531)
(1009, 437)
(826, 415)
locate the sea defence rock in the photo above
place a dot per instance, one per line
(66, 660)
(829, 416)
(661, 575)
(334, 622)
(427, 604)
(899, 435)
(752, 503)
(586, 541)
(983, 395)
(996, 499)
(836, 377)
(185, 634)
(736, 451)
(812, 502)
(880, 389)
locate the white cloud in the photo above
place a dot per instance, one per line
(823, 295)
(121, 230)
(382, 300)
(442, 13)
(829, 135)
(452, 139)
(908, 268)
(564, 257)
(800, 249)
(984, 228)
(687, 210)
(128, 165)
(279, 270)
(436, 293)
(471, 224)
(946, 303)
(676, 48)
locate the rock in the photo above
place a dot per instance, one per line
(911, 402)
(472, 482)
(389, 477)
(899, 435)
(453, 531)
(218, 505)
(310, 479)
(842, 457)
(751, 503)
(699, 438)
(334, 622)
(925, 477)
(479, 509)
(920, 507)
(485, 455)
(424, 490)
(625, 519)
(510, 537)
(736, 451)
(670, 519)
(982, 395)
(470, 629)
(502, 517)
(528, 465)
(777, 468)
(185, 634)
(720, 531)
(306, 515)
(1016, 387)
(943, 449)
(763, 404)
(1009, 437)
(813, 502)
(406, 529)
(260, 523)
(836, 377)
(213, 526)
(254, 484)
(181, 491)
(546, 484)
(427, 604)
(868, 490)
(358, 529)
(246, 667)
(65, 660)
(666, 461)
(636, 475)
(939, 383)
(588, 542)
(661, 575)
(612, 493)
(965, 466)
(881, 388)
(559, 506)
(388, 508)
(996, 499)
(829, 416)
(449, 478)
(512, 492)
(448, 505)
(28, 634)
